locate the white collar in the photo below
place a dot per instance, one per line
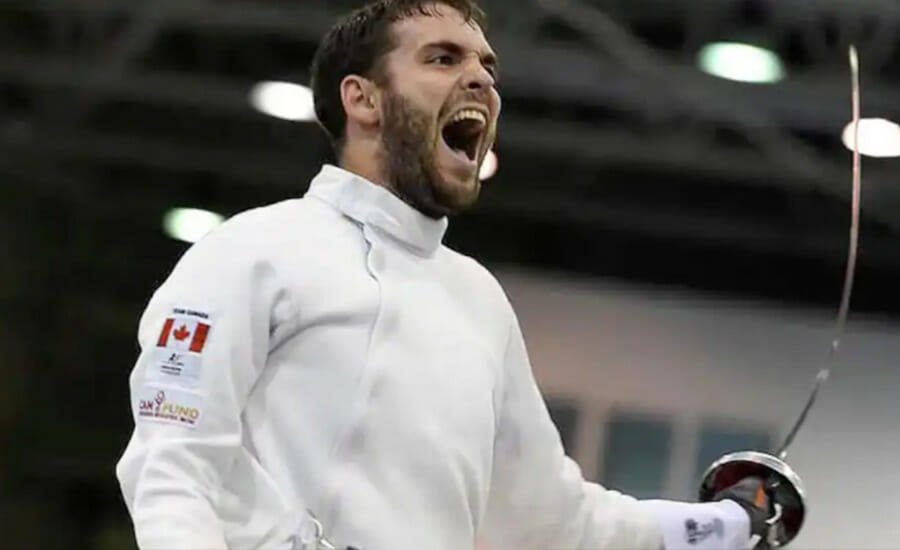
(373, 205)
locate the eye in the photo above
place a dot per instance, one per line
(444, 59)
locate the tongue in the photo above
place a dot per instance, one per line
(459, 153)
(460, 135)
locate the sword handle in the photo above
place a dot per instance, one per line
(783, 485)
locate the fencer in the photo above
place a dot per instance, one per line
(326, 358)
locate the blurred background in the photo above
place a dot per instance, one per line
(668, 210)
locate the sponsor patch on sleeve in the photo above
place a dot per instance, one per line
(178, 354)
(169, 406)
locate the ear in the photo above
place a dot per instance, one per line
(361, 100)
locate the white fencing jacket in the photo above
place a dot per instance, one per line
(329, 354)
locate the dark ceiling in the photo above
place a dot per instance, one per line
(618, 159)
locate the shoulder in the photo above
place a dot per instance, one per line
(240, 240)
(233, 252)
(248, 250)
(267, 232)
(266, 223)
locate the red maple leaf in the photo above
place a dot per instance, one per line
(181, 333)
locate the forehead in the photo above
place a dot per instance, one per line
(443, 24)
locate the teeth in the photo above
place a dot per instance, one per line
(469, 114)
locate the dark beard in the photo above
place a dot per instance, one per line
(409, 160)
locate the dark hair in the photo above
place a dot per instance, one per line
(357, 45)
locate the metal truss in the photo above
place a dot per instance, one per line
(97, 51)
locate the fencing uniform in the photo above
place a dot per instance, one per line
(330, 354)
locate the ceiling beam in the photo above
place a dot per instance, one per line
(649, 219)
(675, 224)
(224, 95)
(256, 166)
(301, 19)
(597, 146)
(816, 103)
(593, 142)
(289, 18)
(285, 169)
(586, 141)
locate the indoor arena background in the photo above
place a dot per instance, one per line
(669, 215)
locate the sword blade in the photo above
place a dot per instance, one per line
(820, 379)
(844, 310)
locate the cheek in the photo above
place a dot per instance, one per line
(430, 107)
(496, 105)
(435, 93)
(428, 91)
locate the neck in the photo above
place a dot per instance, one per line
(365, 160)
(363, 164)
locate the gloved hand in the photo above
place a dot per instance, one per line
(753, 495)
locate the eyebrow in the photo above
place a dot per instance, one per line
(488, 58)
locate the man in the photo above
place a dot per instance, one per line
(327, 357)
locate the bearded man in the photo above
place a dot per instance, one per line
(326, 363)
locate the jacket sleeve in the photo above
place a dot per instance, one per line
(204, 338)
(539, 499)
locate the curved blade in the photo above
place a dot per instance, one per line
(851, 262)
(820, 379)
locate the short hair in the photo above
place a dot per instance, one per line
(357, 45)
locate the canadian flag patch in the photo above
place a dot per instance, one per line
(183, 334)
(179, 347)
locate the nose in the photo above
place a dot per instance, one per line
(476, 76)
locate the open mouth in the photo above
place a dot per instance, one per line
(464, 131)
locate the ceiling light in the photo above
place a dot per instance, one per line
(190, 224)
(741, 62)
(489, 166)
(284, 100)
(877, 137)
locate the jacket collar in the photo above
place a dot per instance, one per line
(373, 205)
